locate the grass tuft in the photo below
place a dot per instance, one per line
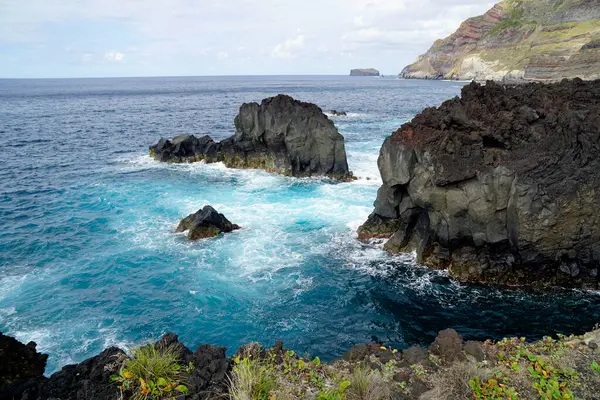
(251, 380)
(367, 384)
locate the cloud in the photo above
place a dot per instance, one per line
(288, 48)
(114, 56)
(178, 37)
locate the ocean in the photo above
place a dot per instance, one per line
(89, 257)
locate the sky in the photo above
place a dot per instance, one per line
(105, 38)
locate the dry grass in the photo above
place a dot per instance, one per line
(367, 384)
(452, 383)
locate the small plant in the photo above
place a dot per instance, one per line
(595, 367)
(335, 394)
(492, 389)
(152, 373)
(419, 370)
(251, 380)
(550, 382)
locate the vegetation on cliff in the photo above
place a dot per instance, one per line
(560, 368)
(516, 40)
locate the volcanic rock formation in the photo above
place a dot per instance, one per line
(499, 186)
(280, 135)
(205, 223)
(541, 40)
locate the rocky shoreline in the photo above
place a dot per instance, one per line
(280, 135)
(498, 186)
(449, 369)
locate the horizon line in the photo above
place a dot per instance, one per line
(186, 76)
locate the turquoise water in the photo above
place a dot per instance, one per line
(88, 257)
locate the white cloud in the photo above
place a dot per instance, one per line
(222, 55)
(114, 56)
(288, 48)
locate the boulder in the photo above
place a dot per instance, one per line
(205, 223)
(448, 346)
(499, 186)
(280, 135)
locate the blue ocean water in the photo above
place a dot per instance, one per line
(88, 257)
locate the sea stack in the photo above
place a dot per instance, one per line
(499, 186)
(280, 135)
(364, 72)
(205, 223)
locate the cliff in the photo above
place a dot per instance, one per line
(532, 40)
(499, 186)
(364, 72)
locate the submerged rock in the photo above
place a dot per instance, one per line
(337, 113)
(205, 223)
(280, 135)
(498, 186)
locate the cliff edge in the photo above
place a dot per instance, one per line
(499, 186)
(531, 40)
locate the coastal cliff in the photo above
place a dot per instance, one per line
(280, 135)
(449, 369)
(499, 186)
(531, 40)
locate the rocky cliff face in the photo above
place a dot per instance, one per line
(541, 40)
(280, 135)
(498, 186)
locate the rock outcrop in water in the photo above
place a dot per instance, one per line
(205, 223)
(499, 186)
(280, 135)
(544, 40)
(442, 371)
(364, 72)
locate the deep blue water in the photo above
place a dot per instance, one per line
(88, 257)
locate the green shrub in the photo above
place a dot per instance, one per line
(251, 380)
(152, 374)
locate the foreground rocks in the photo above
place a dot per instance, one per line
(280, 135)
(498, 186)
(451, 368)
(205, 223)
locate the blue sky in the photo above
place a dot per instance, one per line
(89, 38)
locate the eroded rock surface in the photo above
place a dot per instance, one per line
(498, 186)
(280, 135)
(205, 223)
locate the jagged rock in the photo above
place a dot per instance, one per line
(511, 42)
(499, 186)
(474, 349)
(205, 223)
(448, 346)
(364, 72)
(280, 135)
(89, 380)
(21, 367)
(414, 355)
(338, 113)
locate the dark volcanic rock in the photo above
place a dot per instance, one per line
(448, 346)
(205, 223)
(89, 380)
(499, 186)
(280, 135)
(338, 113)
(21, 367)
